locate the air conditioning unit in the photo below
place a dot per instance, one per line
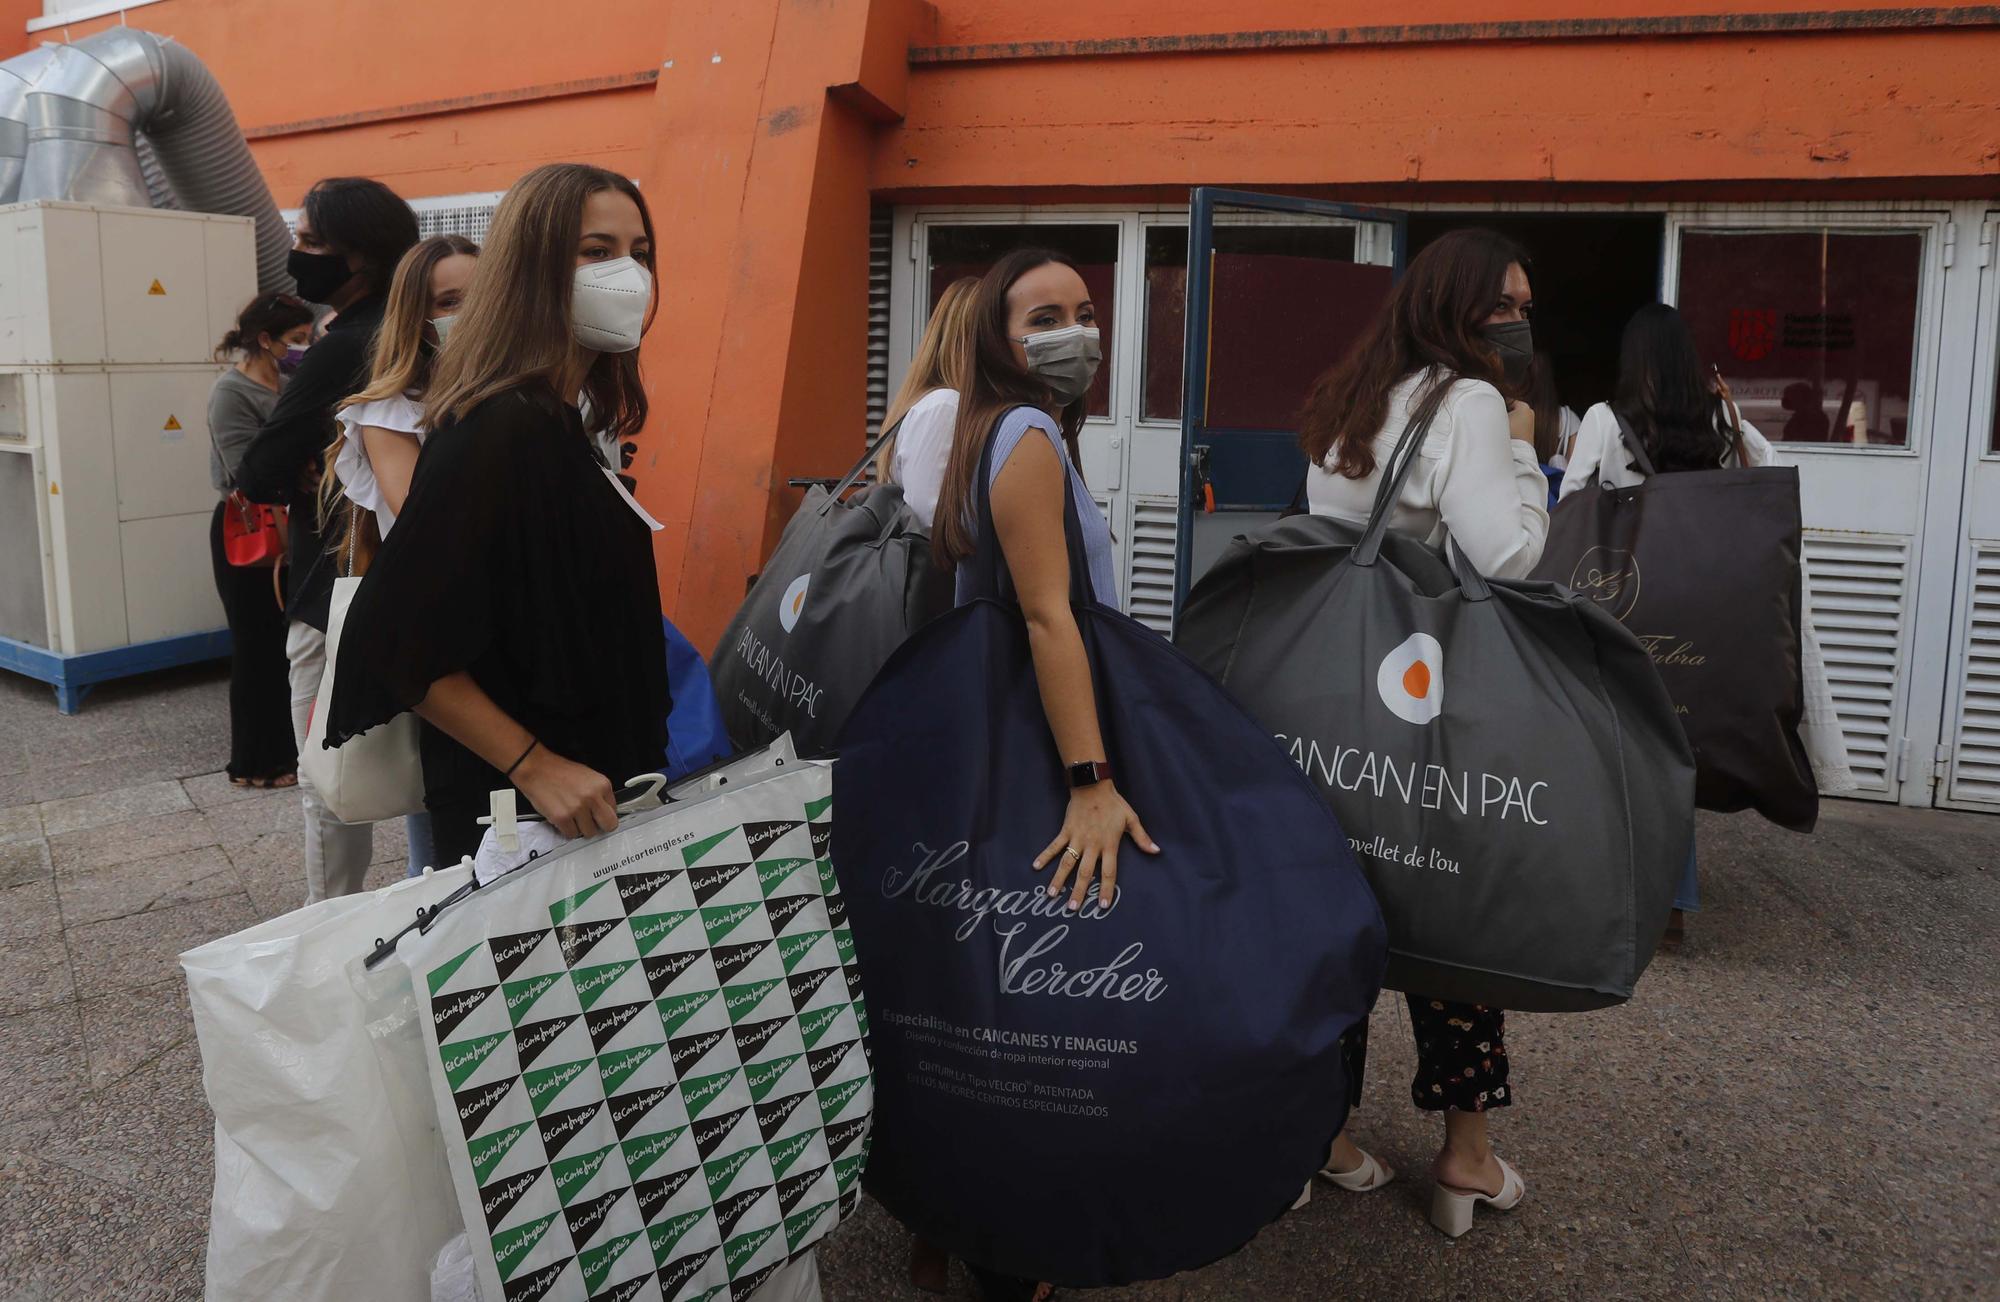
(109, 319)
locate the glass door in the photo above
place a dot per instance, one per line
(1277, 289)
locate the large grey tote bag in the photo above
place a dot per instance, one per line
(1502, 755)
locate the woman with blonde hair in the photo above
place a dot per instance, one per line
(515, 605)
(381, 428)
(927, 405)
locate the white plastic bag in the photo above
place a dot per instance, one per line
(330, 1177)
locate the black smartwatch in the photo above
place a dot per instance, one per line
(1088, 773)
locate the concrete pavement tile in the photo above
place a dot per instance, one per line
(276, 884)
(19, 823)
(213, 790)
(125, 843)
(24, 861)
(142, 950)
(239, 822)
(17, 788)
(61, 783)
(36, 974)
(60, 742)
(42, 1060)
(119, 805)
(67, 1236)
(29, 910)
(129, 1031)
(172, 879)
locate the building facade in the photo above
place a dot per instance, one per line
(1815, 185)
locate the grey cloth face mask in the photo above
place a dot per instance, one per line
(1515, 342)
(1065, 360)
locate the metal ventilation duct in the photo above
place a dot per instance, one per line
(16, 76)
(87, 108)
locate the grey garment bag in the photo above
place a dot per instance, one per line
(851, 579)
(1501, 754)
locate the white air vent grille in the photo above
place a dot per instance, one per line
(1975, 758)
(1857, 596)
(881, 236)
(1149, 580)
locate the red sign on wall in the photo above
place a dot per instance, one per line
(1753, 332)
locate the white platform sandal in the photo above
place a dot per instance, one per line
(1371, 1175)
(1451, 1209)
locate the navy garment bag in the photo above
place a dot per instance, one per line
(1135, 1089)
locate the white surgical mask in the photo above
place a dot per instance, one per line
(1065, 360)
(607, 306)
(441, 326)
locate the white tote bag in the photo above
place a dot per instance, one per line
(331, 1181)
(369, 778)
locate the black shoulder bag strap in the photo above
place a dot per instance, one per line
(1641, 461)
(853, 476)
(1395, 475)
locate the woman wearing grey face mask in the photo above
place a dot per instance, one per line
(1455, 332)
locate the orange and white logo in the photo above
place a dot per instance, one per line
(793, 602)
(1411, 679)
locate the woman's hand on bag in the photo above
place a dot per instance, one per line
(1521, 422)
(1086, 849)
(575, 799)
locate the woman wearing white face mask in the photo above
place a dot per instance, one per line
(515, 606)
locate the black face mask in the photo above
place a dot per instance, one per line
(1515, 342)
(319, 275)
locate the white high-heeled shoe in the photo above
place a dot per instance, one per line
(1451, 1209)
(1371, 1175)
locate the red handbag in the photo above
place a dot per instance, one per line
(253, 535)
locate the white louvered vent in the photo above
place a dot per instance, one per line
(881, 233)
(1149, 583)
(1975, 759)
(447, 214)
(1856, 601)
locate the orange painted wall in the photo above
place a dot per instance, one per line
(762, 128)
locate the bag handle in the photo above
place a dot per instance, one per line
(986, 569)
(1397, 473)
(1736, 427)
(1634, 444)
(853, 476)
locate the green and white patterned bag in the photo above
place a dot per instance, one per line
(649, 1058)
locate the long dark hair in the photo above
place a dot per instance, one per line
(514, 328)
(1431, 320)
(360, 215)
(1548, 407)
(1665, 395)
(994, 382)
(266, 314)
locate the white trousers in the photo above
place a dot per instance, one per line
(337, 853)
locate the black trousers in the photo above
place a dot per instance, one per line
(260, 689)
(1461, 1056)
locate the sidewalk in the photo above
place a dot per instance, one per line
(1800, 1104)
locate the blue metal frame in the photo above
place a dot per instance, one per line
(73, 676)
(1194, 370)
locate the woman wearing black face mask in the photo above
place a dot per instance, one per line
(1454, 333)
(351, 234)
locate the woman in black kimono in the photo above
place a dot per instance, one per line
(515, 606)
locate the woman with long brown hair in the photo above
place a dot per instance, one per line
(381, 428)
(1453, 340)
(1034, 351)
(926, 406)
(515, 606)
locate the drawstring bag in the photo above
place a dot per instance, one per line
(1167, 1065)
(1703, 566)
(851, 578)
(1502, 754)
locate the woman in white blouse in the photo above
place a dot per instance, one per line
(1454, 333)
(381, 428)
(1685, 418)
(927, 405)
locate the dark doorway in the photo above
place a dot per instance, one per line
(1591, 272)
